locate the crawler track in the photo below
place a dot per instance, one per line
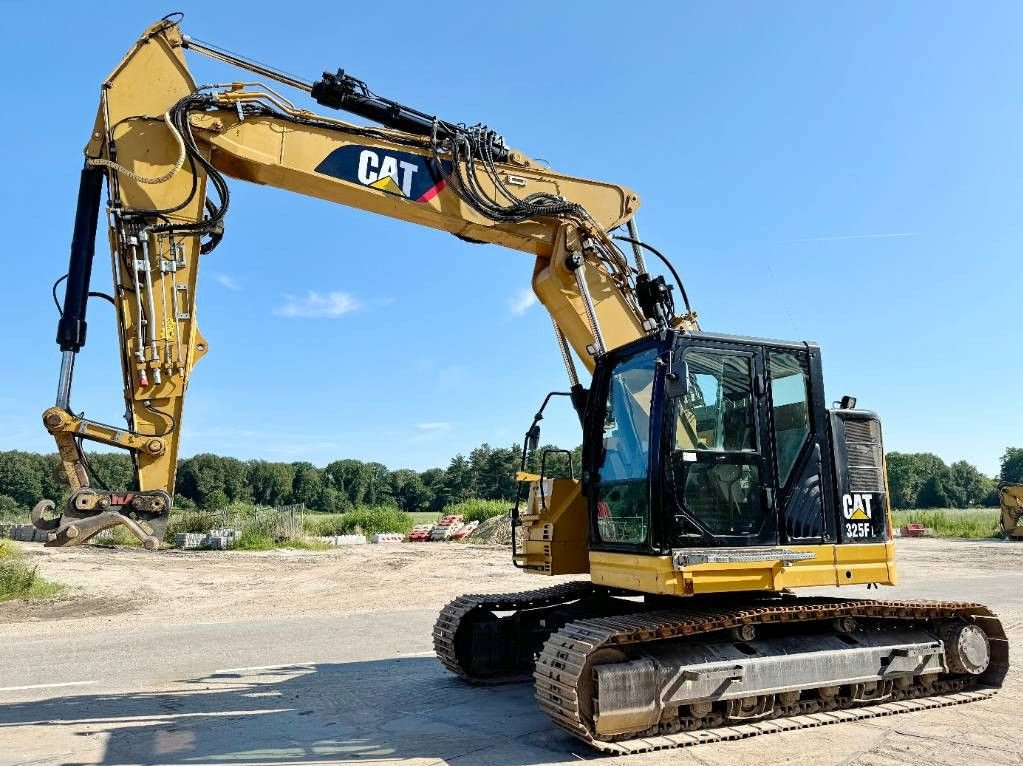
(563, 664)
(454, 614)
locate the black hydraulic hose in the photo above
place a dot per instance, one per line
(664, 259)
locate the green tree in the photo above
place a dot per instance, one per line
(378, 488)
(909, 472)
(558, 464)
(216, 500)
(1012, 465)
(904, 479)
(329, 500)
(9, 506)
(932, 494)
(307, 484)
(55, 486)
(201, 479)
(457, 480)
(113, 470)
(236, 479)
(270, 482)
(351, 478)
(21, 477)
(434, 479)
(966, 485)
(409, 491)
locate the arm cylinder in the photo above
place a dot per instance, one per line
(71, 328)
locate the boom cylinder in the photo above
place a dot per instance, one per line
(72, 326)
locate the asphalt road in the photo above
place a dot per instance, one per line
(365, 688)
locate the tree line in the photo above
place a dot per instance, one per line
(923, 480)
(211, 482)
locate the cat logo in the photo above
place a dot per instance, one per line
(402, 174)
(385, 173)
(858, 513)
(857, 507)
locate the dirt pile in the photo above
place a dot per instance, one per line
(496, 530)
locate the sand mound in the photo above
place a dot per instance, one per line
(496, 530)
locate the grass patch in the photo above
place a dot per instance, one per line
(367, 521)
(475, 509)
(120, 536)
(255, 540)
(18, 579)
(190, 521)
(950, 522)
(425, 517)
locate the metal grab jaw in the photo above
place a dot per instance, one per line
(89, 512)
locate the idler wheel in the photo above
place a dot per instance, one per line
(967, 649)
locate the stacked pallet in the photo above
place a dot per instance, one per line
(446, 527)
(420, 533)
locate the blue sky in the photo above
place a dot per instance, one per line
(848, 173)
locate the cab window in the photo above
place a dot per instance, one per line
(715, 469)
(623, 507)
(790, 409)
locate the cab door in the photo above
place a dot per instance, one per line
(796, 445)
(720, 487)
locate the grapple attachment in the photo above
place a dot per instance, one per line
(88, 512)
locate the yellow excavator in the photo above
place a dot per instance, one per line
(715, 478)
(1010, 522)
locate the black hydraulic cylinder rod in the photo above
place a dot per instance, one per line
(71, 328)
(342, 91)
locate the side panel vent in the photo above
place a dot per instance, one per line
(866, 460)
(859, 475)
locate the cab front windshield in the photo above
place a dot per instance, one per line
(623, 507)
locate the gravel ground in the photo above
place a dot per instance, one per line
(366, 689)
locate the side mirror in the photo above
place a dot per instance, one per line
(533, 437)
(676, 380)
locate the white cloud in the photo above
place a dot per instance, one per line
(434, 427)
(316, 305)
(228, 282)
(521, 302)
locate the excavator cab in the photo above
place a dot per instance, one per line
(704, 441)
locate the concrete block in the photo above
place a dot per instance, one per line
(189, 540)
(25, 533)
(348, 540)
(388, 537)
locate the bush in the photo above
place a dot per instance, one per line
(190, 521)
(182, 503)
(255, 540)
(18, 579)
(367, 520)
(323, 524)
(11, 510)
(119, 535)
(475, 509)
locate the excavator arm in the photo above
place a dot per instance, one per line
(165, 146)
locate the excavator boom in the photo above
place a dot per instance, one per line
(165, 147)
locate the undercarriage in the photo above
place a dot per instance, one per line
(625, 674)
